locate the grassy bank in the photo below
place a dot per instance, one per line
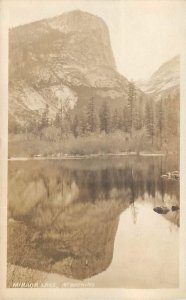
(30, 146)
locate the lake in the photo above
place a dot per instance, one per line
(91, 223)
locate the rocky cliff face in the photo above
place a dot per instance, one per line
(88, 39)
(63, 59)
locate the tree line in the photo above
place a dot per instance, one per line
(158, 120)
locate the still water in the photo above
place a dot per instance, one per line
(92, 221)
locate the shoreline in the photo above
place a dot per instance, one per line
(88, 156)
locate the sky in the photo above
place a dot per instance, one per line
(144, 33)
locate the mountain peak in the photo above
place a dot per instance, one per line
(78, 21)
(171, 64)
(55, 59)
(78, 34)
(76, 13)
(165, 78)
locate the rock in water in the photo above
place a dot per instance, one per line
(175, 208)
(161, 209)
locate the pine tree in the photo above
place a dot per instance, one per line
(131, 97)
(91, 116)
(137, 119)
(67, 124)
(75, 126)
(61, 113)
(45, 117)
(104, 117)
(114, 121)
(126, 124)
(149, 120)
(120, 122)
(160, 120)
(57, 121)
(171, 113)
(82, 123)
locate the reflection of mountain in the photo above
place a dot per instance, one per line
(76, 240)
(85, 236)
(58, 230)
(67, 213)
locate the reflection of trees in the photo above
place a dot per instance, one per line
(36, 181)
(151, 181)
(143, 180)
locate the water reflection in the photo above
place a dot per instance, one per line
(67, 212)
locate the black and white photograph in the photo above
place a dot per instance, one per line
(93, 149)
